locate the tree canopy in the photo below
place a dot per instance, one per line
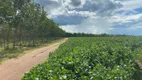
(23, 21)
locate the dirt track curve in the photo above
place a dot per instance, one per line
(14, 69)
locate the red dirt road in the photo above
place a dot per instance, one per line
(14, 69)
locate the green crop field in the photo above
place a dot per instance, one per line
(92, 58)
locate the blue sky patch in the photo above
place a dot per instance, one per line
(96, 16)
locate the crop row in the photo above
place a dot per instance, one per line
(99, 58)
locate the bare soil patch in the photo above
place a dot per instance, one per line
(15, 68)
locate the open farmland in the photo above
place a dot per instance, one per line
(88, 58)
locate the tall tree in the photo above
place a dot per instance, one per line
(25, 23)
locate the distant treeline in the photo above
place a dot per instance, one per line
(24, 23)
(90, 35)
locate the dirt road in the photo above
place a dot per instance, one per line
(14, 69)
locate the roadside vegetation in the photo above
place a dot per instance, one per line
(23, 24)
(6, 54)
(94, 58)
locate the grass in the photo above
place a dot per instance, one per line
(6, 54)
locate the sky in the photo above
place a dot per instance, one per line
(96, 16)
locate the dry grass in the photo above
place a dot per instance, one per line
(6, 54)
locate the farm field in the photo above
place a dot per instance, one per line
(92, 58)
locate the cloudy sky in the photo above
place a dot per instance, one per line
(96, 16)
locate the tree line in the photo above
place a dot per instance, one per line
(25, 23)
(93, 35)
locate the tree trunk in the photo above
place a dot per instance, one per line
(14, 38)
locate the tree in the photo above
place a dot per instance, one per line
(25, 23)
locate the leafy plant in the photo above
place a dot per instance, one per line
(99, 58)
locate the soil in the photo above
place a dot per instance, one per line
(15, 68)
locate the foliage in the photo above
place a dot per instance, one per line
(24, 21)
(9, 53)
(92, 35)
(99, 58)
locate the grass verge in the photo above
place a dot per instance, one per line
(6, 54)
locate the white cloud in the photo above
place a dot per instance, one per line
(136, 26)
(126, 18)
(82, 13)
(95, 16)
(91, 25)
(131, 4)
